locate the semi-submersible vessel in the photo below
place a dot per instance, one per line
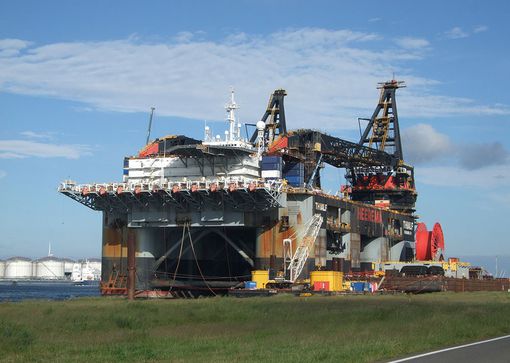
(203, 214)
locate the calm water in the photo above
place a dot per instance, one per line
(23, 290)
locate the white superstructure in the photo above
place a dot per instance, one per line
(95, 265)
(231, 157)
(172, 169)
(86, 271)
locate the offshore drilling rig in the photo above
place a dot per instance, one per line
(203, 214)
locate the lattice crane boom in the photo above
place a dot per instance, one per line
(303, 250)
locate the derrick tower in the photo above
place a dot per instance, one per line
(390, 185)
(382, 131)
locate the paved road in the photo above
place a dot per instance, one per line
(495, 350)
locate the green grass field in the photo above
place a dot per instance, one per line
(276, 329)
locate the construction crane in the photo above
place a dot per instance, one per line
(393, 184)
(150, 126)
(375, 168)
(295, 264)
(273, 118)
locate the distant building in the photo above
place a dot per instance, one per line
(50, 268)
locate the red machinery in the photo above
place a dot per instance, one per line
(429, 244)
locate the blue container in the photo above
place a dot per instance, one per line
(294, 172)
(272, 166)
(251, 285)
(294, 179)
(293, 166)
(294, 169)
(295, 176)
(271, 159)
(358, 286)
(295, 184)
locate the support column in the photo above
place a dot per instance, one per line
(131, 254)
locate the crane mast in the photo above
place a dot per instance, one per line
(297, 262)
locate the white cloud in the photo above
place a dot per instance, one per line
(476, 156)
(412, 43)
(489, 177)
(13, 44)
(3, 174)
(456, 33)
(422, 143)
(184, 37)
(330, 76)
(480, 29)
(17, 149)
(37, 135)
(12, 47)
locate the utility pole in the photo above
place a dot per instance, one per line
(150, 126)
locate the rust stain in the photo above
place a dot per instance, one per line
(299, 218)
(114, 250)
(264, 245)
(112, 243)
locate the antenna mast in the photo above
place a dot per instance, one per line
(234, 130)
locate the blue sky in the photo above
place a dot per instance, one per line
(77, 80)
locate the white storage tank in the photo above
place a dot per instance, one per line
(18, 268)
(68, 267)
(49, 268)
(2, 269)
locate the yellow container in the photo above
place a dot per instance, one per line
(261, 277)
(329, 280)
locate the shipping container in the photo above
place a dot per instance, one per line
(294, 173)
(260, 277)
(272, 166)
(271, 159)
(271, 174)
(251, 285)
(295, 181)
(358, 286)
(293, 167)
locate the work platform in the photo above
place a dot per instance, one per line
(244, 195)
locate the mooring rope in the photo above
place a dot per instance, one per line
(180, 252)
(196, 261)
